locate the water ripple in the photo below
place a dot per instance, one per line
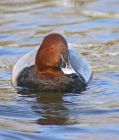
(90, 26)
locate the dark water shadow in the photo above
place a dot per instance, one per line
(50, 106)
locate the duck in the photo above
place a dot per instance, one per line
(55, 65)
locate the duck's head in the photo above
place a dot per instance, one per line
(53, 58)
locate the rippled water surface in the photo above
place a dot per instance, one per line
(92, 26)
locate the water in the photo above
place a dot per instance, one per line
(92, 26)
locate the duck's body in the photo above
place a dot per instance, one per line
(69, 78)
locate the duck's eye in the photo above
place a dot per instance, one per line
(52, 49)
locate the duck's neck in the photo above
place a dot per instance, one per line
(49, 73)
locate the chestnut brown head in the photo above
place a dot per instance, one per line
(52, 55)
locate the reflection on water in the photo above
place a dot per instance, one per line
(92, 26)
(53, 110)
(50, 107)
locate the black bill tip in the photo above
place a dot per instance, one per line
(73, 75)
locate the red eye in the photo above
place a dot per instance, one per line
(52, 49)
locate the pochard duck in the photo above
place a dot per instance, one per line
(55, 65)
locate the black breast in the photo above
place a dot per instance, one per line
(29, 80)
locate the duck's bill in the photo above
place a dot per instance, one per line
(66, 67)
(68, 70)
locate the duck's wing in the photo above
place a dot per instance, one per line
(80, 64)
(26, 61)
